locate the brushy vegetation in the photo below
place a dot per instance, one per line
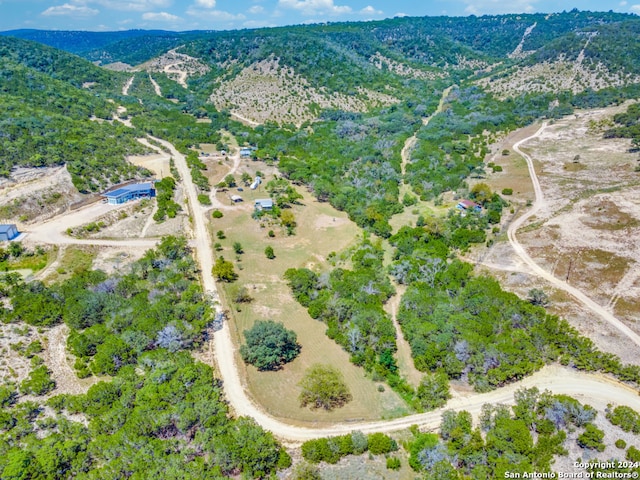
(160, 414)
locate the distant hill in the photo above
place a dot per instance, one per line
(79, 42)
(52, 102)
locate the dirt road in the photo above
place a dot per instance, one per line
(51, 231)
(127, 86)
(596, 308)
(596, 390)
(411, 141)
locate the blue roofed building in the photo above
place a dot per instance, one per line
(8, 232)
(130, 192)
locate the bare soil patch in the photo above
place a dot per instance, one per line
(36, 194)
(158, 163)
(586, 229)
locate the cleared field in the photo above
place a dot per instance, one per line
(320, 231)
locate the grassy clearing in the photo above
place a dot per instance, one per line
(74, 259)
(34, 263)
(320, 230)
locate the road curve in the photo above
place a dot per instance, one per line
(537, 269)
(593, 389)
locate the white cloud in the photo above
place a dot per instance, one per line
(635, 9)
(215, 15)
(623, 4)
(256, 9)
(400, 15)
(314, 7)
(495, 7)
(160, 17)
(206, 3)
(128, 5)
(70, 10)
(369, 10)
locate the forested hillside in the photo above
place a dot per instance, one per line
(49, 98)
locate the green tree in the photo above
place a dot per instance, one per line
(481, 193)
(237, 247)
(39, 382)
(323, 387)
(269, 345)
(433, 391)
(268, 251)
(223, 270)
(230, 181)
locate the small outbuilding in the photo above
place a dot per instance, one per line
(8, 232)
(236, 198)
(468, 205)
(264, 204)
(245, 152)
(130, 192)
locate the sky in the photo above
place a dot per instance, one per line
(111, 15)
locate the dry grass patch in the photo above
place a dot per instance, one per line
(317, 235)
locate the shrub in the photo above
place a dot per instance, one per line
(220, 234)
(393, 463)
(592, 438)
(268, 251)
(204, 199)
(39, 382)
(507, 191)
(621, 444)
(379, 443)
(323, 387)
(217, 214)
(633, 454)
(626, 418)
(237, 247)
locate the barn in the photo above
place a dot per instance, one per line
(8, 232)
(264, 204)
(130, 192)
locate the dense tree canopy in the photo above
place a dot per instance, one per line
(269, 345)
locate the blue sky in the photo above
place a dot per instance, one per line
(178, 15)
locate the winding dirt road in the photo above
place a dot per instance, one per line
(596, 308)
(595, 390)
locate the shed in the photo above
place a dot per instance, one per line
(468, 205)
(8, 232)
(130, 192)
(236, 198)
(255, 183)
(264, 204)
(245, 152)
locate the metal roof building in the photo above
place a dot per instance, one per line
(8, 232)
(130, 192)
(264, 204)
